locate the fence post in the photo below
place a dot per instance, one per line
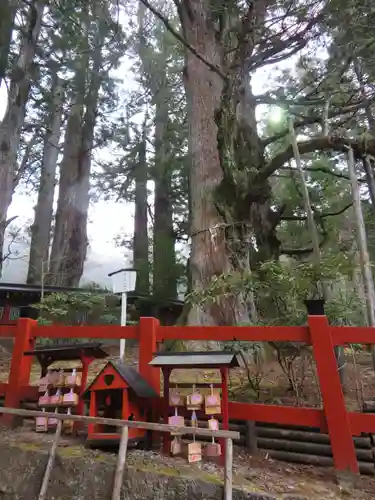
(20, 368)
(343, 450)
(147, 337)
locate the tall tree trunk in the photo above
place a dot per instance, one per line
(41, 228)
(208, 256)
(140, 243)
(69, 247)
(7, 13)
(11, 126)
(368, 279)
(164, 276)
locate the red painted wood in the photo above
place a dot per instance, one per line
(100, 385)
(92, 412)
(342, 335)
(274, 414)
(92, 332)
(225, 405)
(165, 436)
(8, 330)
(227, 333)
(362, 422)
(339, 430)
(147, 334)
(20, 367)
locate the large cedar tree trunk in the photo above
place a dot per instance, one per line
(41, 228)
(217, 245)
(164, 276)
(11, 126)
(140, 243)
(69, 247)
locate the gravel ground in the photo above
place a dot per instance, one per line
(260, 474)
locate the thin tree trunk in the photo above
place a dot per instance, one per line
(140, 243)
(362, 246)
(319, 291)
(11, 126)
(7, 13)
(41, 228)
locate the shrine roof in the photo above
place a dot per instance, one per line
(197, 359)
(131, 376)
(48, 354)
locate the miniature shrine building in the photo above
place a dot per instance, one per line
(118, 391)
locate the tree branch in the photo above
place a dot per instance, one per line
(333, 113)
(182, 40)
(316, 215)
(360, 147)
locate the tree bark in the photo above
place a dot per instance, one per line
(11, 126)
(203, 88)
(69, 247)
(7, 13)
(41, 228)
(140, 242)
(164, 256)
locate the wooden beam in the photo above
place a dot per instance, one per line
(121, 461)
(228, 470)
(51, 461)
(122, 423)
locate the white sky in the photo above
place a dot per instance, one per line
(107, 219)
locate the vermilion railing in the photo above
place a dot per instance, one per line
(333, 418)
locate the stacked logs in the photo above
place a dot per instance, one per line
(299, 445)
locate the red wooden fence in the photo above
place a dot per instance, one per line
(334, 418)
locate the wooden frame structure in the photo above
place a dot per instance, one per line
(221, 361)
(333, 417)
(228, 436)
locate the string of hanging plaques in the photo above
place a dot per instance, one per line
(195, 402)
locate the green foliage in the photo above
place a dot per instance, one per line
(281, 287)
(77, 308)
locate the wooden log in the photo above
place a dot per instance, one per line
(308, 437)
(288, 427)
(302, 458)
(51, 461)
(251, 438)
(322, 450)
(228, 470)
(121, 461)
(207, 439)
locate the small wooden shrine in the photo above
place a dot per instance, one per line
(118, 391)
(52, 382)
(177, 406)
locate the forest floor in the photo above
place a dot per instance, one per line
(259, 475)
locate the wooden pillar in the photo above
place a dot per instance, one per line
(343, 450)
(147, 338)
(86, 362)
(92, 413)
(20, 368)
(5, 318)
(125, 405)
(225, 404)
(166, 436)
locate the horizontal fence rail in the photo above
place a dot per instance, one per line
(148, 426)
